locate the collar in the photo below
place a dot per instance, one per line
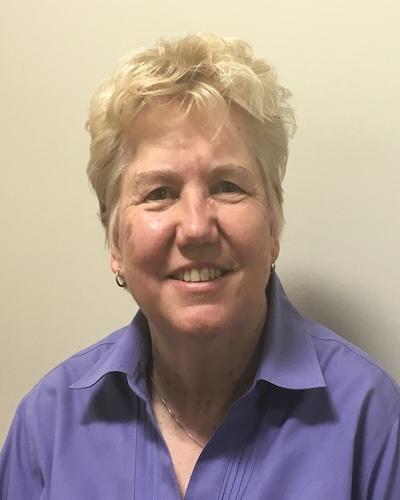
(288, 360)
(128, 354)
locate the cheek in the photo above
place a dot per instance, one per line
(248, 223)
(143, 236)
(249, 231)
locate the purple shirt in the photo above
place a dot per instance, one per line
(321, 421)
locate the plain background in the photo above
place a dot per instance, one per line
(340, 249)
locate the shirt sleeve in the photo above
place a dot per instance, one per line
(384, 477)
(20, 477)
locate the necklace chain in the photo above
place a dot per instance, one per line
(173, 416)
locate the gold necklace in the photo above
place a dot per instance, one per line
(172, 414)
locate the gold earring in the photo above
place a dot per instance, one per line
(120, 281)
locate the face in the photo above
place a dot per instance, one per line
(195, 235)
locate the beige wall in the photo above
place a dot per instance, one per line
(340, 251)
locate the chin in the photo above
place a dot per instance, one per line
(203, 322)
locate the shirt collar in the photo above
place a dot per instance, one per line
(288, 359)
(128, 354)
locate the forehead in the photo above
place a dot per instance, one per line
(210, 135)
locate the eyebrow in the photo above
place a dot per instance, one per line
(169, 175)
(232, 168)
(155, 175)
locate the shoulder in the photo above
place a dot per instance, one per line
(77, 365)
(367, 404)
(341, 360)
(53, 414)
(52, 400)
(55, 387)
(357, 384)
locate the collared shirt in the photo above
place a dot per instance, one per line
(321, 421)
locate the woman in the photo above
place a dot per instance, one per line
(219, 388)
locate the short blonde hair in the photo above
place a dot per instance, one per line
(199, 71)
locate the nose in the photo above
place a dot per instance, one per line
(197, 223)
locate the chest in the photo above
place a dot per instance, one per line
(259, 457)
(182, 448)
(184, 457)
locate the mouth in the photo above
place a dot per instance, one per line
(197, 275)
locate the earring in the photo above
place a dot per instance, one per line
(120, 281)
(273, 267)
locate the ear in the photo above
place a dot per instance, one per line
(275, 243)
(276, 246)
(116, 260)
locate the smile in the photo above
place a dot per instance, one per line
(197, 275)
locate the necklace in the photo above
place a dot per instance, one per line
(172, 415)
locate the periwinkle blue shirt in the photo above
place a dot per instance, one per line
(320, 422)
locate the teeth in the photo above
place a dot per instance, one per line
(204, 274)
(196, 275)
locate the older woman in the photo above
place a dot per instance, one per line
(219, 388)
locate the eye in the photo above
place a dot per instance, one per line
(161, 193)
(227, 187)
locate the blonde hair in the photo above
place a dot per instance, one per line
(199, 71)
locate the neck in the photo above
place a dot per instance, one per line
(200, 378)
